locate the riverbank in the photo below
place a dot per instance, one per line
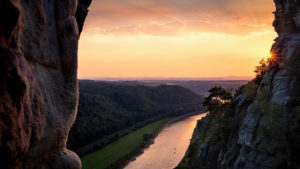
(119, 153)
(169, 146)
(101, 143)
(191, 151)
(125, 149)
(176, 119)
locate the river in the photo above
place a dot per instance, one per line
(169, 146)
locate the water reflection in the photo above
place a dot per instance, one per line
(169, 147)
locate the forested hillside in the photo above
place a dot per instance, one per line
(107, 111)
(200, 87)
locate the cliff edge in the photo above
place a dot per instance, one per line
(38, 81)
(261, 127)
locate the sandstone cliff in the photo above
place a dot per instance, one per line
(261, 130)
(38, 81)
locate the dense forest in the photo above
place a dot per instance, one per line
(108, 111)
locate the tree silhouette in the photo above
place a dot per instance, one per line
(261, 70)
(218, 96)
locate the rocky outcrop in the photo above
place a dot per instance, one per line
(266, 133)
(38, 81)
(278, 87)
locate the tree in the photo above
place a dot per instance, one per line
(261, 70)
(218, 96)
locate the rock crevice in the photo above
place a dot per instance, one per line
(38, 81)
(267, 123)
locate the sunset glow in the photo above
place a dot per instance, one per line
(179, 38)
(270, 56)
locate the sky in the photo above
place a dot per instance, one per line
(175, 38)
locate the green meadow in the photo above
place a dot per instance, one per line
(118, 153)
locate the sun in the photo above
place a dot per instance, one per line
(270, 56)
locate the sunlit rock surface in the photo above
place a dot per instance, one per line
(38, 81)
(246, 147)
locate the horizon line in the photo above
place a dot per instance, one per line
(166, 78)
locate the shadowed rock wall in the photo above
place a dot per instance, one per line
(38, 81)
(280, 85)
(265, 133)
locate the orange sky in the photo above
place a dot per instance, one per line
(175, 38)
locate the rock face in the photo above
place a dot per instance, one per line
(38, 81)
(267, 130)
(279, 86)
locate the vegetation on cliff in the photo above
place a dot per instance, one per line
(265, 133)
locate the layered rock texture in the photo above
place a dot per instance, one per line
(38, 81)
(263, 125)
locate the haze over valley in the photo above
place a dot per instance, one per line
(150, 84)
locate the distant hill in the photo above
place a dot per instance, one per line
(198, 86)
(107, 111)
(202, 87)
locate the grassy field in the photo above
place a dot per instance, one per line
(121, 151)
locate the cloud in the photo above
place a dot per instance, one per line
(173, 17)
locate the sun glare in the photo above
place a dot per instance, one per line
(270, 56)
(168, 42)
